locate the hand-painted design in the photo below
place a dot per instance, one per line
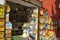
(1, 12)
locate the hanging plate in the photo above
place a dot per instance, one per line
(41, 26)
(1, 34)
(1, 11)
(42, 19)
(1, 28)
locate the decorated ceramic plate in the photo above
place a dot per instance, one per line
(1, 23)
(1, 28)
(1, 34)
(8, 31)
(1, 12)
(41, 26)
(50, 34)
(42, 19)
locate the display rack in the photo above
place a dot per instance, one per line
(25, 11)
(47, 26)
(2, 19)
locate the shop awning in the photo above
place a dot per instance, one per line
(35, 2)
(22, 2)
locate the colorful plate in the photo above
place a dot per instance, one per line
(1, 11)
(41, 26)
(42, 19)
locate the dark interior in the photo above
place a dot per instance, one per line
(19, 14)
